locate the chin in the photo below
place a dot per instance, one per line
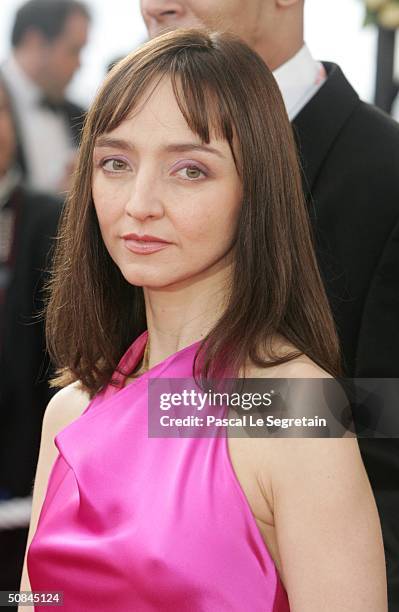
(154, 279)
(148, 280)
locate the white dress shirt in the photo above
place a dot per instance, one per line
(45, 135)
(299, 79)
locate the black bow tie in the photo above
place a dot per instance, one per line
(52, 105)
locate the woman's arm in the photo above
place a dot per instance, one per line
(327, 525)
(63, 408)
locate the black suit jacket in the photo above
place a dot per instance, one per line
(24, 392)
(350, 157)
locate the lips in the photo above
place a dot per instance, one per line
(144, 245)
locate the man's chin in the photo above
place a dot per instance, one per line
(159, 31)
(172, 27)
(56, 96)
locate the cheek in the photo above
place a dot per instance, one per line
(230, 10)
(59, 63)
(107, 222)
(210, 222)
(108, 203)
(104, 216)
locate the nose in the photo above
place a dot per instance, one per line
(144, 202)
(160, 13)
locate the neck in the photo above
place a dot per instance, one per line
(280, 37)
(184, 314)
(280, 54)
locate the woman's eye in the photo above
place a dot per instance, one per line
(191, 172)
(114, 165)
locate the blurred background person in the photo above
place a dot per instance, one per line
(47, 39)
(28, 220)
(350, 161)
(355, 52)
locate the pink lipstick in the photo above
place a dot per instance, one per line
(144, 245)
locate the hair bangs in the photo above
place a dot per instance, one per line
(200, 98)
(118, 99)
(196, 86)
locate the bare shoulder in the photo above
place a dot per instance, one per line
(299, 367)
(65, 406)
(279, 459)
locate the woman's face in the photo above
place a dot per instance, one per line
(167, 205)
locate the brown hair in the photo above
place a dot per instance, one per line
(94, 314)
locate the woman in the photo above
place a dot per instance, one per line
(185, 247)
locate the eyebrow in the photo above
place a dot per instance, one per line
(176, 147)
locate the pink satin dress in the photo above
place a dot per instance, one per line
(133, 523)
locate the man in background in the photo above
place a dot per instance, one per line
(28, 221)
(47, 39)
(350, 160)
